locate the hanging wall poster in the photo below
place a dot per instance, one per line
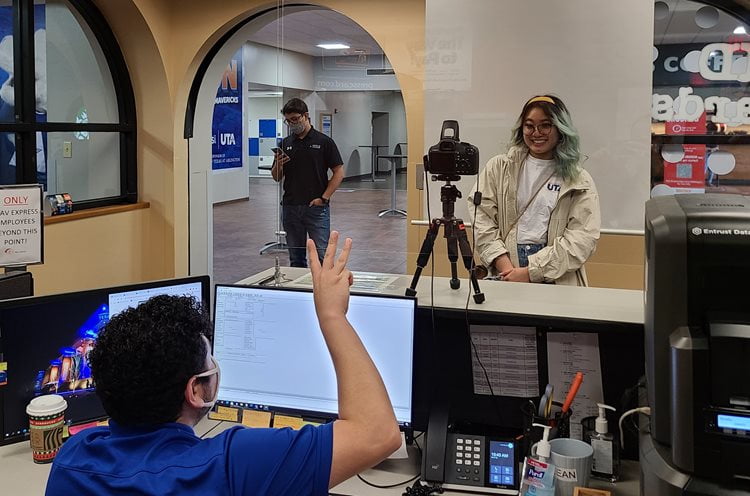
(226, 138)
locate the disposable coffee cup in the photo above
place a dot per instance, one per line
(46, 420)
(572, 460)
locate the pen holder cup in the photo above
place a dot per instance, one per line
(560, 423)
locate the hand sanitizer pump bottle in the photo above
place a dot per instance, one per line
(606, 461)
(538, 475)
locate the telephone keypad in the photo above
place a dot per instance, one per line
(466, 451)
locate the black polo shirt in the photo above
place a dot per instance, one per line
(306, 172)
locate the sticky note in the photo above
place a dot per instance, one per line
(280, 421)
(224, 413)
(255, 418)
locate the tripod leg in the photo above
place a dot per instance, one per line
(452, 256)
(424, 255)
(466, 255)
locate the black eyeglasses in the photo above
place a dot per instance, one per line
(544, 128)
(295, 120)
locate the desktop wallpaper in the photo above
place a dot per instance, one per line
(53, 359)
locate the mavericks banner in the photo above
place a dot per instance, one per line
(226, 137)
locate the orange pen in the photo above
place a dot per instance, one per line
(572, 391)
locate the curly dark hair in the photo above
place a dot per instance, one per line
(145, 356)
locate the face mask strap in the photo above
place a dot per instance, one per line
(215, 370)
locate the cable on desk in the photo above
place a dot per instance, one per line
(389, 486)
(419, 489)
(211, 429)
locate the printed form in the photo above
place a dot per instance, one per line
(568, 353)
(509, 355)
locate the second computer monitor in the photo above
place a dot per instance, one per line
(45, 343)
(273, 356)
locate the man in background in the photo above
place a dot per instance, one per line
(303, 162)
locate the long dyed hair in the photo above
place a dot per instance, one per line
(567, 153)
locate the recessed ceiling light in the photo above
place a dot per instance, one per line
(740, 30)
(333, 46)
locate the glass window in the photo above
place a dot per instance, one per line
(87, 167)
(65, 121)
(700, 111)
(77, 76)
(6, 63)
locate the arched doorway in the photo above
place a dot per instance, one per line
(351, 93)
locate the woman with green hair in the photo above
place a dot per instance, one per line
(538, 220)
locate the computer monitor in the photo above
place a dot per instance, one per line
(45, 340)
(273, 357)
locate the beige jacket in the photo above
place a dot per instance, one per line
(573, 227)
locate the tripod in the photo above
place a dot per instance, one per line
(455, 234)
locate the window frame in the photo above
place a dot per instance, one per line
(26, 126)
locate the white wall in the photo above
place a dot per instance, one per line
(352, 123)
(349, 73)
(486, 58)
(267, 65)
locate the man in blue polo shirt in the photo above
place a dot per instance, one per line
(156, 378)
(307, 156)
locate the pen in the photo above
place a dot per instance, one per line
(572, 391)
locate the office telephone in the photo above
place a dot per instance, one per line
(469, 462)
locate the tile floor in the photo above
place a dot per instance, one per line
(242, 228)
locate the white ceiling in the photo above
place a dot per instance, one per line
(302, 31)
(679, 26)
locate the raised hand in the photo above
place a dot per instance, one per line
(331, 279)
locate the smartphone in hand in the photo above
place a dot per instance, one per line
(280, 155)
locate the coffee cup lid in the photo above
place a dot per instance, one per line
(49, 404)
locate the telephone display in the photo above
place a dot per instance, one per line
(502, 464)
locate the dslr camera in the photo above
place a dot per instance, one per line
(450, 156)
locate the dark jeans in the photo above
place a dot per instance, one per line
(299, 222)
(525, 250)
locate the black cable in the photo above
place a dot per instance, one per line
(419, 489)
(211, 429)
(389, 486)
(468, 296)
(432, 274)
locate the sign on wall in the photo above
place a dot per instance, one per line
(21, 225)
(226, 138)
(326, 124)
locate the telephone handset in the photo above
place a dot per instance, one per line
(458, 459)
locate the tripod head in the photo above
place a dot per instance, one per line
(448, 194)
(446, 177)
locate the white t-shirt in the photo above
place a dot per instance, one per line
(533, 224)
